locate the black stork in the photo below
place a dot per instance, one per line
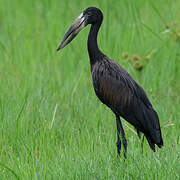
(114, 86)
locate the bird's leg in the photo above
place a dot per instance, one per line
(118, 143)
(121, 131)
(142, 142)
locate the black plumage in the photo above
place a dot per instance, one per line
(115, 87)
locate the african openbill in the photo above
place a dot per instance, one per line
(114, 86)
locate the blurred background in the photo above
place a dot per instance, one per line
(52, 126)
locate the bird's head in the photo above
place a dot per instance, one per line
(91, 15)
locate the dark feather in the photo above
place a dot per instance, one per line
(117, 89)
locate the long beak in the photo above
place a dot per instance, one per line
(75, 28)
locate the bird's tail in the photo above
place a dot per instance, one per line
(153, 131)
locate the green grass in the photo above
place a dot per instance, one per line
(52, 126)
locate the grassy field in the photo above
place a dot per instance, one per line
(52, 126)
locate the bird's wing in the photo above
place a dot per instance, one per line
(115, 87)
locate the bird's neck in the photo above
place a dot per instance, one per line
(93, 49)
